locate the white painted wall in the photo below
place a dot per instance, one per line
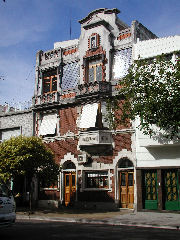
(156, 151)
(154, 47)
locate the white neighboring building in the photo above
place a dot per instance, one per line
(158, 160)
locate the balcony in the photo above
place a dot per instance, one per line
(50, 55)
(90, 89)
(95, 138)
(46, 99)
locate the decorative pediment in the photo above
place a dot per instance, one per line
(96, 12)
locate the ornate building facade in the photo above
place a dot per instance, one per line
(73, 82)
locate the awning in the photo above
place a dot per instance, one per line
(48, 124)
(88, 116)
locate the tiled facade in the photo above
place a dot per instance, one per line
(73, 82)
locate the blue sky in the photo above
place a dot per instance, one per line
(27, 26)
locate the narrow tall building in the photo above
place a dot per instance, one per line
(73, 82)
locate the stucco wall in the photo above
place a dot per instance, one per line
(17, 120)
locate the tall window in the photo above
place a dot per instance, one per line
(50, 81)
(95, 71)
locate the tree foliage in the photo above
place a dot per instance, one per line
(150, 91)
(27, 156)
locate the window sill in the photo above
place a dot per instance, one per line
(50, 189)
(95, 189)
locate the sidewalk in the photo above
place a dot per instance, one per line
(122, 217)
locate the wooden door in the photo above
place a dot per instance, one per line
(70, 187)
(126, 189)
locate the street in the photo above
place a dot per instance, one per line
(48, 230)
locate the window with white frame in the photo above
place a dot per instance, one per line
(97, 180)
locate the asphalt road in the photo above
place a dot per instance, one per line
(32, 230)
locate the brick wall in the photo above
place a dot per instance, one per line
(68, 117)
(62, 147)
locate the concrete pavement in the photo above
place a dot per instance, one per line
(121, 217)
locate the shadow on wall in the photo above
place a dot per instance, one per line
(165, 152)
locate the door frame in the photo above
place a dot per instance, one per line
(70, 173)
(126, 170)
(150, 204)
(172, 204)
(62, 184)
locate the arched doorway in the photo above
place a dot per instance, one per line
(69, 172)
(126, 183)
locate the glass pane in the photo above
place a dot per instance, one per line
(54, 84)
(46, 87)
(130, 179)
(98, 73)
(73, 180)
(125, 163)
(123, 179)
(91, 74)
(3, 190)
(67, 180)
(97, 180)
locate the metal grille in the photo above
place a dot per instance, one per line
(150, 185)
(122, 61)
(70, 75)
(171, 185)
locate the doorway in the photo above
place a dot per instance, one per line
(126, 189)
(150, 193)
(69, 188)
(171, 189)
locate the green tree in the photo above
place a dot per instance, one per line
(150, 91)
(29, 157)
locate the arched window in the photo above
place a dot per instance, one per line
(125, 163)
(69, 165)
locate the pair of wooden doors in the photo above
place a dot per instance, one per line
(126, 189)
(69, 187)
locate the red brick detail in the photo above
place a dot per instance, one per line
(91, 53)
(122, 141)
(97, 51)
(68, 117)
(118, 115)
(68, 95)
(61, 147)
(123, 36)
(70, 51)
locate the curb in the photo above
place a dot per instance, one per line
(91, 221)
